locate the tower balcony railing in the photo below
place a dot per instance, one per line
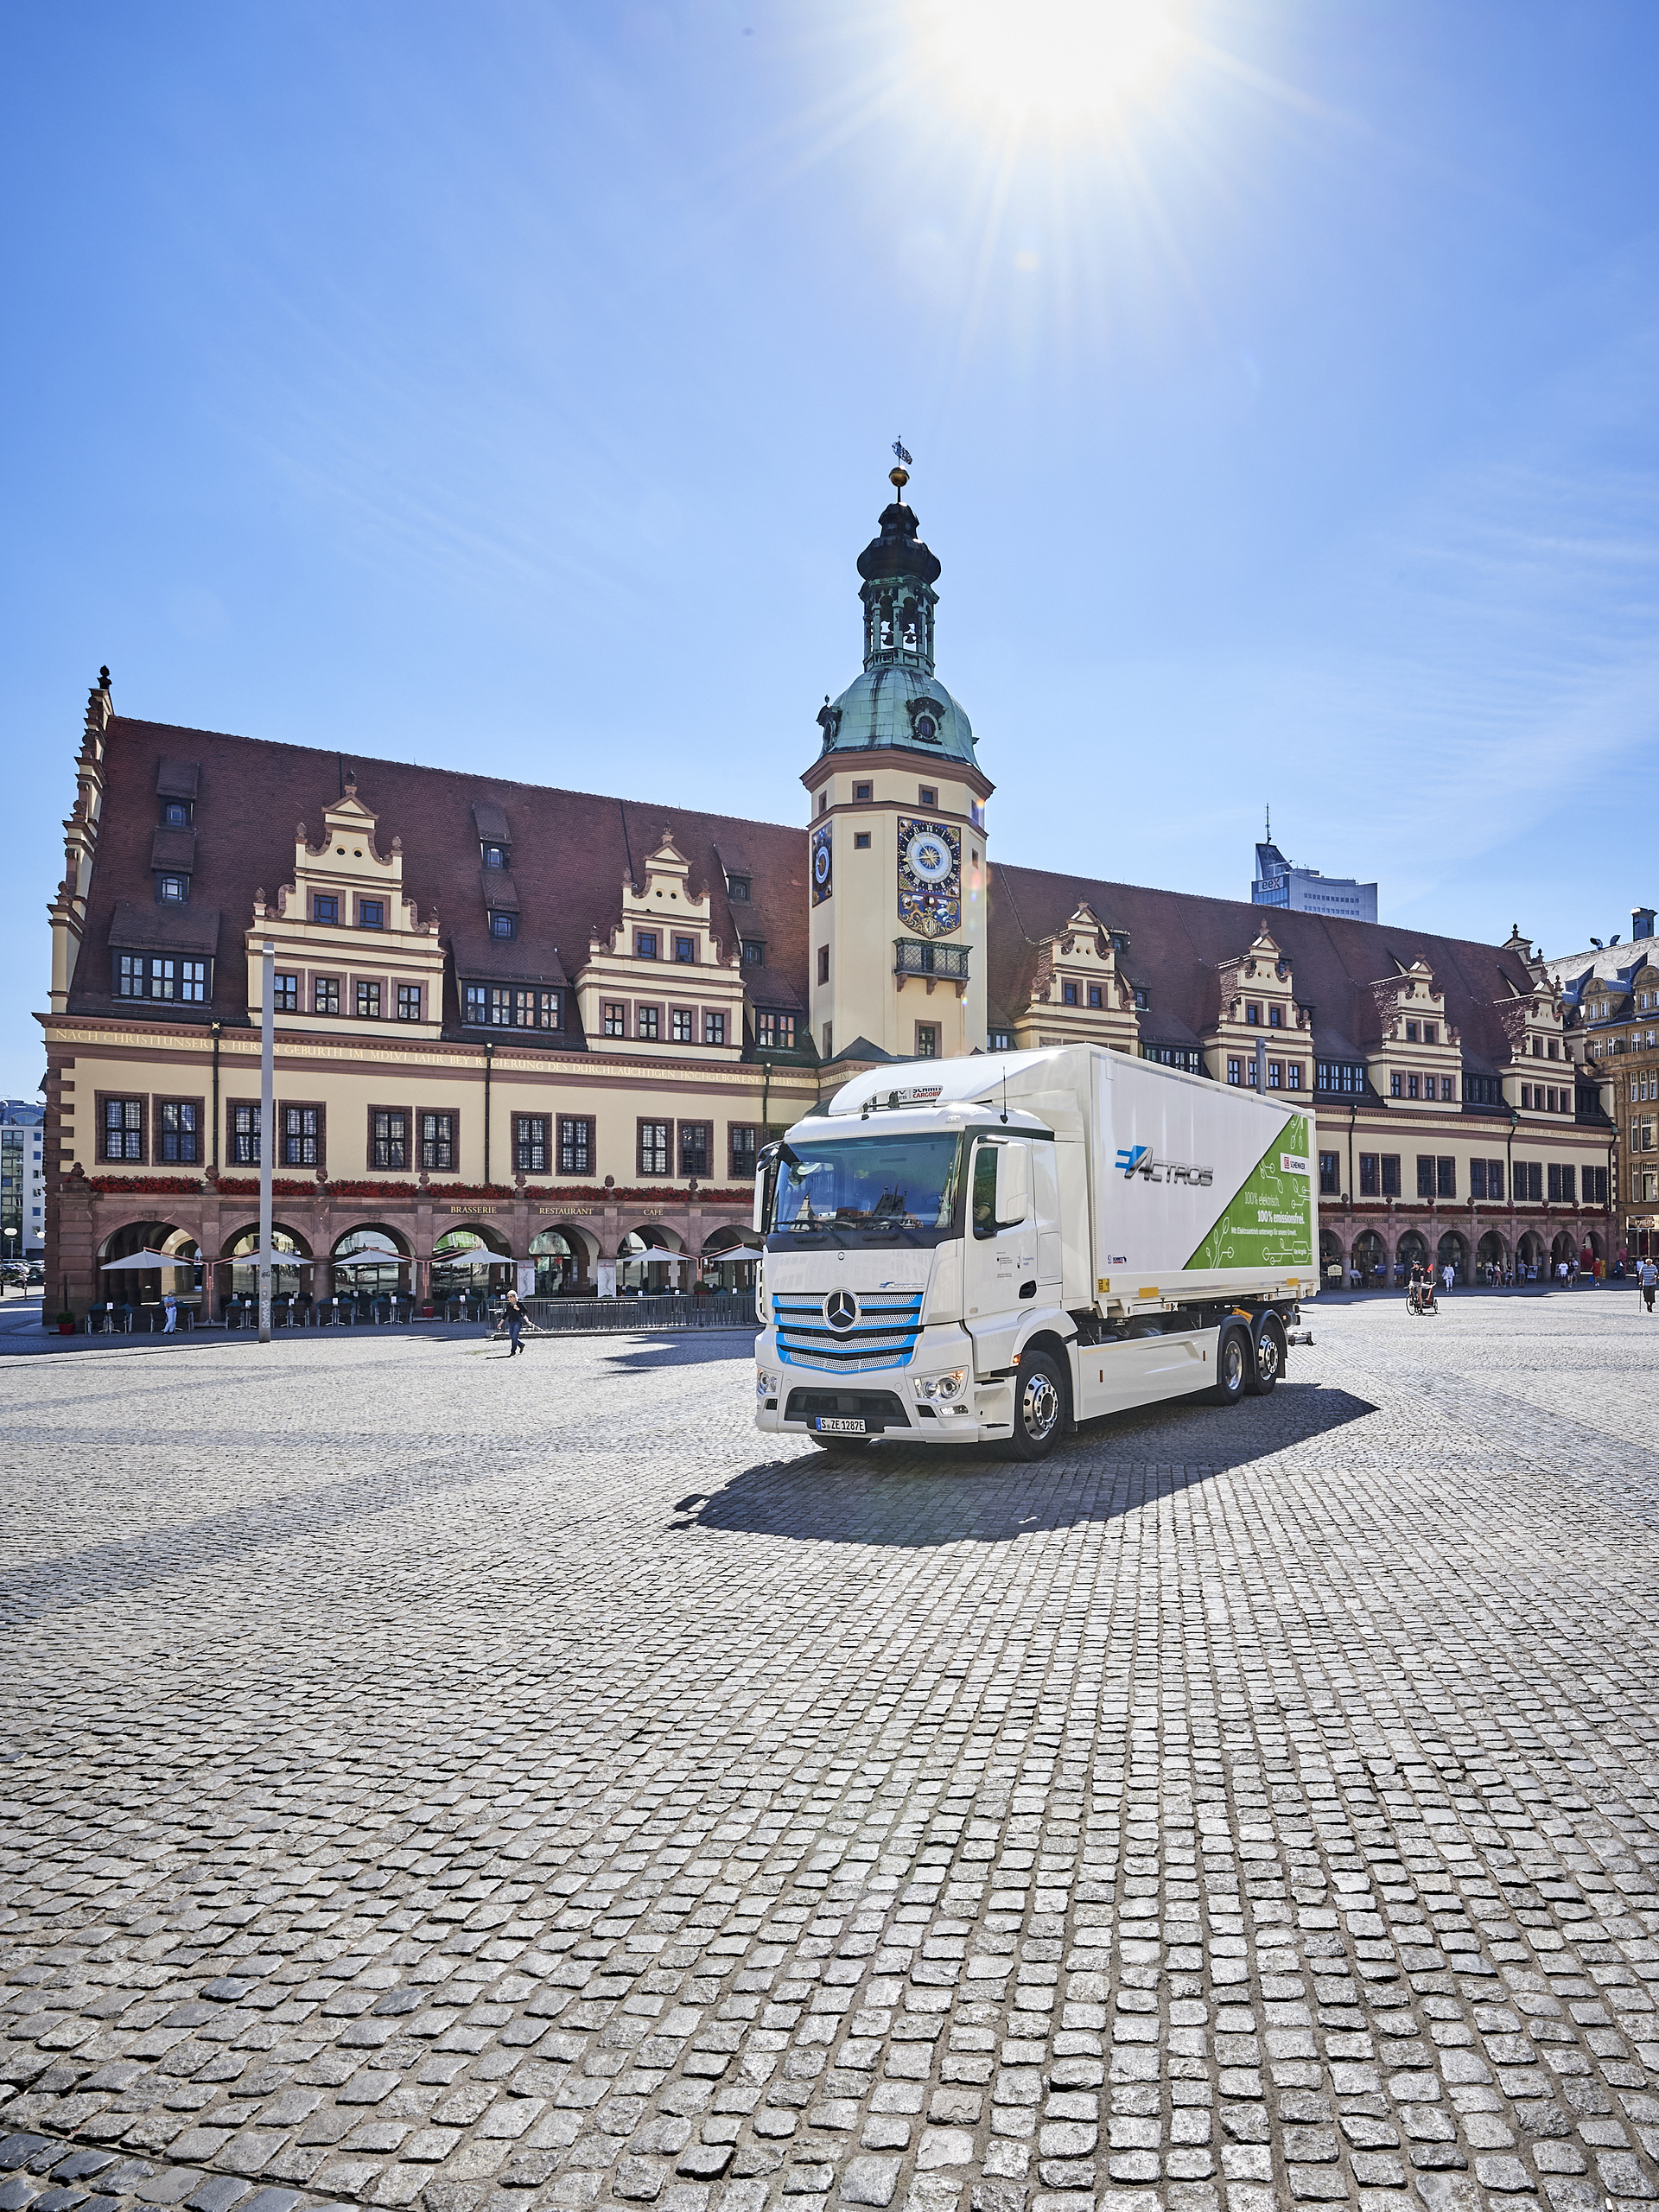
(914, 957)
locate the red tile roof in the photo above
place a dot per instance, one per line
(1178, 943)
(571, 849)
(571, 852)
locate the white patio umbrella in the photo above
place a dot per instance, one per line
(257, 1259)
(147, 1259)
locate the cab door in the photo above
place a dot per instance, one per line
(1000, 1254)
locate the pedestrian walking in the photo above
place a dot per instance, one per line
(1648, 1276)
(515, 1321)
(1448, 1276)
(170, 1308)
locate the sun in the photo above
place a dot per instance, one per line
(1057, 63)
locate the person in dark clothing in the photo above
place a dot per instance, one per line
(515, 1321)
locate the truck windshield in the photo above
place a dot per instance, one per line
(868, 1182)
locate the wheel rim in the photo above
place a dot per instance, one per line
(1040, 1407)
(1267, 1356)
(1233, 1368)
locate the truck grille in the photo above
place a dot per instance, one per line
(880, 1408)
(884, 1334)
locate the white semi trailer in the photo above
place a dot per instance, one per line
(996, 1247)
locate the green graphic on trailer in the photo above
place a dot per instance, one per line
(1270, 1220)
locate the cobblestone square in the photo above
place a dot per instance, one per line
(487, 1788)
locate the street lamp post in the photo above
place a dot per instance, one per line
(267, 1129)
(11, 1233)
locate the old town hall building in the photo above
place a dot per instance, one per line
(516, 1024)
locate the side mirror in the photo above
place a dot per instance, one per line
(1013, 1184)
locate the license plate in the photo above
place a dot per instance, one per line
(829, 1425)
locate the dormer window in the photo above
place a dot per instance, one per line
(1411, 1033)
(1143, 1000)
(644, 944)
(502, 925)
(1431, 1032)
(494, 855)
(1253, 1013)
(173, 890)
(175, 813)
(737, 887)
(685, 950)
(325, 906)
(370, 913)
(754, 952)
(1096, 996)
(1275, 1014)
(1068, 994)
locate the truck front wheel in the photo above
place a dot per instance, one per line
(1039, 1406)
(1233, 1362)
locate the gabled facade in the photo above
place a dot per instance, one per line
(661, 976)
(349, 943)
(1611, 998)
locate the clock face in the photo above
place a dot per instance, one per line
(930, 877)
(821, 864)
(928, 857)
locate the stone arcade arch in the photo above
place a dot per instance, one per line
(562, 1262)
(1331, 1260)
(370, 1260)
(470, 1260)
(1371, 1259)
(146, 1285)
(1530, 1252)
(637, 1274)
(1492, 1252)
(1411, 1251)
(1453, 1247)
(728, 1261)
(240, 1278)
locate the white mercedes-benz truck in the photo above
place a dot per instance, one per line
(992, 1249)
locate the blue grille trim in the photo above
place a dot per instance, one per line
(885, 1334)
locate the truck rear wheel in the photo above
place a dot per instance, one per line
(1039, 1406)
(1268, 1363)
(1233, 1362)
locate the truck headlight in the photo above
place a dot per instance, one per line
(765, 1385)
(951, 1384)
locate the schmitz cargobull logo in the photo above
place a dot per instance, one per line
(1140, 1159)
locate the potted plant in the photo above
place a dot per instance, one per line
(65, 1323)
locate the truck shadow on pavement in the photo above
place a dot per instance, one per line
(894, 1494)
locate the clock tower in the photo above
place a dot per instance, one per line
(898, 885)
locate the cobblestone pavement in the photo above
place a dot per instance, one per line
(517, 1792)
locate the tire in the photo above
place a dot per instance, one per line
(1268, 1363)
(1233, 1362)
(1039, 1406)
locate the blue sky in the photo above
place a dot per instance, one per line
(513, 385)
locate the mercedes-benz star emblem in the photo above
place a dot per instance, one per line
(840, 1309)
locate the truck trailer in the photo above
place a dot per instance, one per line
(995, 1249)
